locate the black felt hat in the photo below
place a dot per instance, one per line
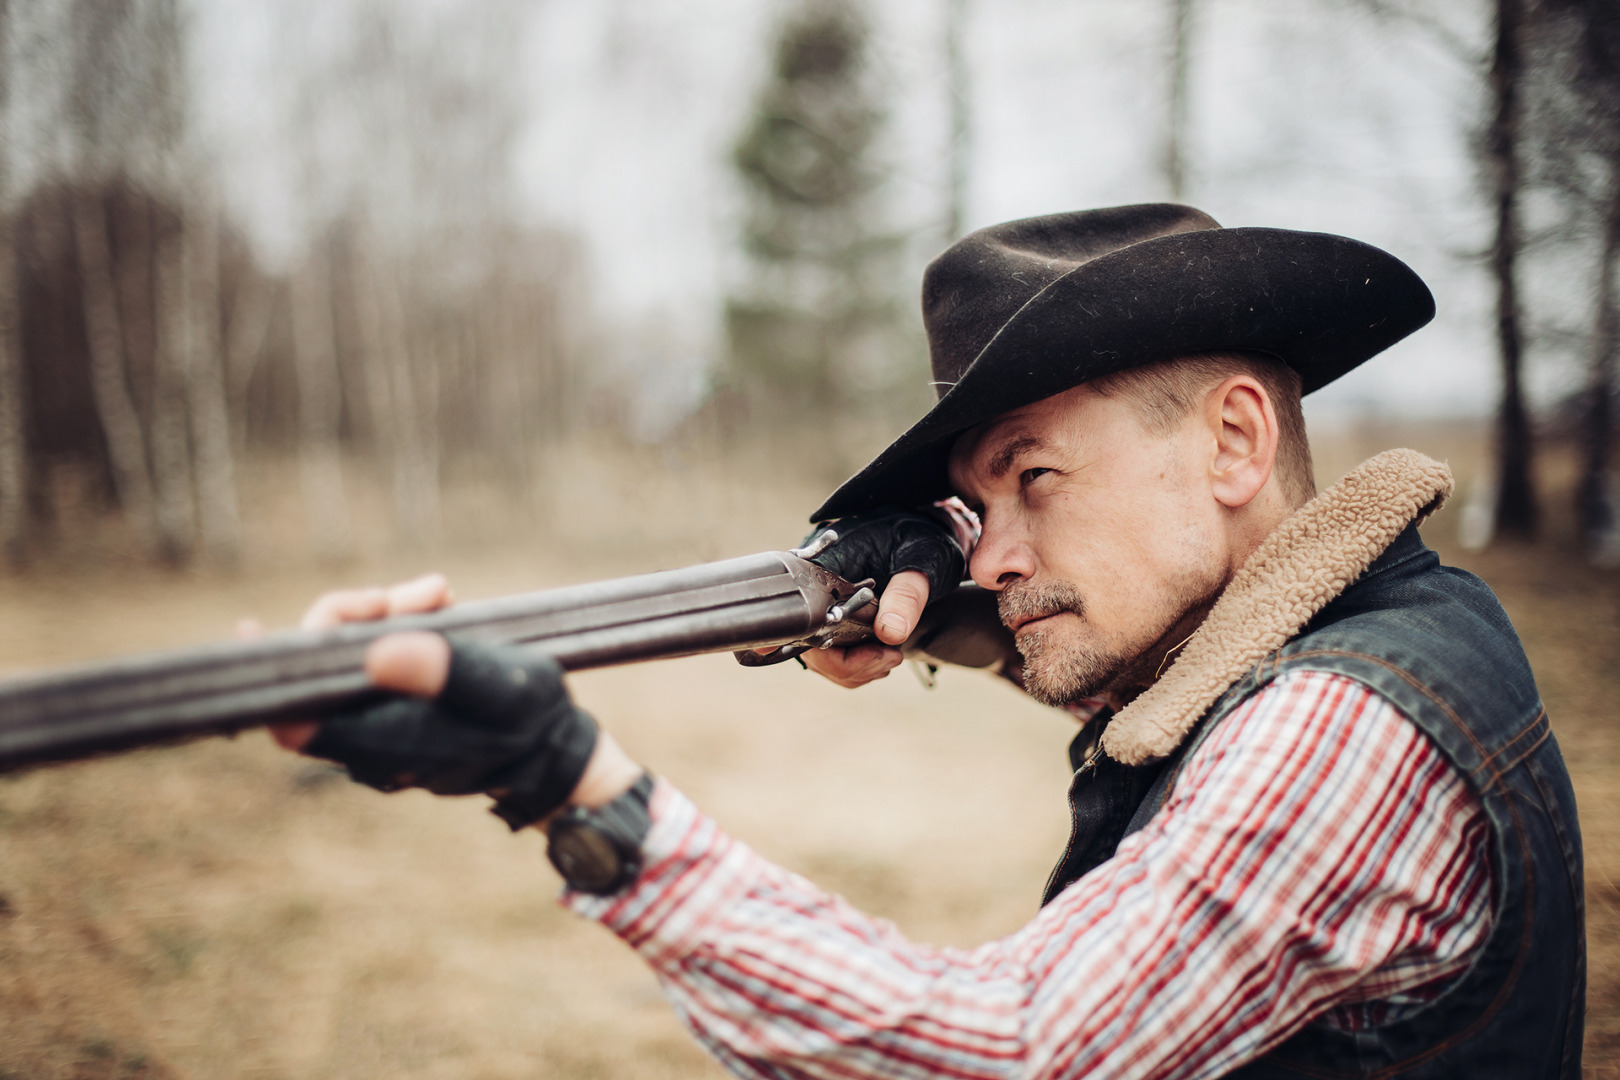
(1021, 311)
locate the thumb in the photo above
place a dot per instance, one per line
(900, 606)
(413, 662)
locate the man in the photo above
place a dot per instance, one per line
(1321, 827)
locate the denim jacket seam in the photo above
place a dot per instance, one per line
(1539, 720)
(1577, 892)
(1546, 733)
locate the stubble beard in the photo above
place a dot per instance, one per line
(1055, 671)
(1058, 669)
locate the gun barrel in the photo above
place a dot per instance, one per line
(766, 599)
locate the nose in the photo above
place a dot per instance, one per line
(1000, 559)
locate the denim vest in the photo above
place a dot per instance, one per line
(1435, 642)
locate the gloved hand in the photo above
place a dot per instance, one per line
(503, 724)
(884, 542)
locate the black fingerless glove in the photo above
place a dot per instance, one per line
(883, 542)
(504, 724)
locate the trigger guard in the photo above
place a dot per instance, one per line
(750, 658)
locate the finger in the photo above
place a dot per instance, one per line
(853, 667)
(346, 605)
(294, 735)
(430, 592)
(901, 605)
(413, 662)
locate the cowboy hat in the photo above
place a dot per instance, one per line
(1021, 311)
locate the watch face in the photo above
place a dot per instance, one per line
(586, 858)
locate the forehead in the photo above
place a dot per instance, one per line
(987, 450)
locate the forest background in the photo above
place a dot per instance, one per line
(296, 295)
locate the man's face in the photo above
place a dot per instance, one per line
(1102, 537)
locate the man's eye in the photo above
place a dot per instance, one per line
(1028, 475)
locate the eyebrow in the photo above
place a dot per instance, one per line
(1007, 454)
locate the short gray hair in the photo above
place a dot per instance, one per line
(1169, 389)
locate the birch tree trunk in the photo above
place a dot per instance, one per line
(400, 429)
(1175, 143)
(956, 76)
(13, 433)
(413, 383)
(220, 525)
(120, 423)
(511, 404)
(170, 432)
(320, 408)
(375, 343)
(251, 311)
(13, 414)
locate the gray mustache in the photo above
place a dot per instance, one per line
(1020, 603)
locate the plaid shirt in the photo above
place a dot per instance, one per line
(1317, 857)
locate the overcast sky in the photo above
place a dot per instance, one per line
(1311, 116)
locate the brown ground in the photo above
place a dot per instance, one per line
(226, 910)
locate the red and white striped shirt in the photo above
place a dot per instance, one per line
(1316, 857)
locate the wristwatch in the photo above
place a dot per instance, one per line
(598, 849)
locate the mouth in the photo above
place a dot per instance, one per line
(1019, 625)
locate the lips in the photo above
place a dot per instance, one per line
(1020, 623)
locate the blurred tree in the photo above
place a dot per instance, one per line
(253, 306)
(320, 405)
(1500, 147)
(158, 69)
(105, 114)
(1175, 144)
(104, 335)
(13, 437)
(144, 351)
(202, 349)
(1577, 148)
(1515, 501)
(446, 334)
(113, 80)
(816, 327)
(958, 87)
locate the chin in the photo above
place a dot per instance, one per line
(1058, 671)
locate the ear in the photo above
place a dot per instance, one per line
(1244, 424)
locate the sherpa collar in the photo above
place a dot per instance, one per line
(1307, 561)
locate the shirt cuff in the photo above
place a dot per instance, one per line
(964, 523)
(691, 870)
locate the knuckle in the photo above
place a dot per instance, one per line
(321, 613)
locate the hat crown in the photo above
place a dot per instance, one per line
(980, 282)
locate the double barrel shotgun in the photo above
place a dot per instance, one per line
(775, 598)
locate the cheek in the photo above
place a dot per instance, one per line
(1129, 539)
(1139, 557)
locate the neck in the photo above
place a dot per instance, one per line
(1249, 525)
(1152, 663)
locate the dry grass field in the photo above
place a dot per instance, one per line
(224, 910)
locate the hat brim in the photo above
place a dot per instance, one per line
(1323, 304)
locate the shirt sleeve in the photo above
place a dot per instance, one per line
(1315, 852)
